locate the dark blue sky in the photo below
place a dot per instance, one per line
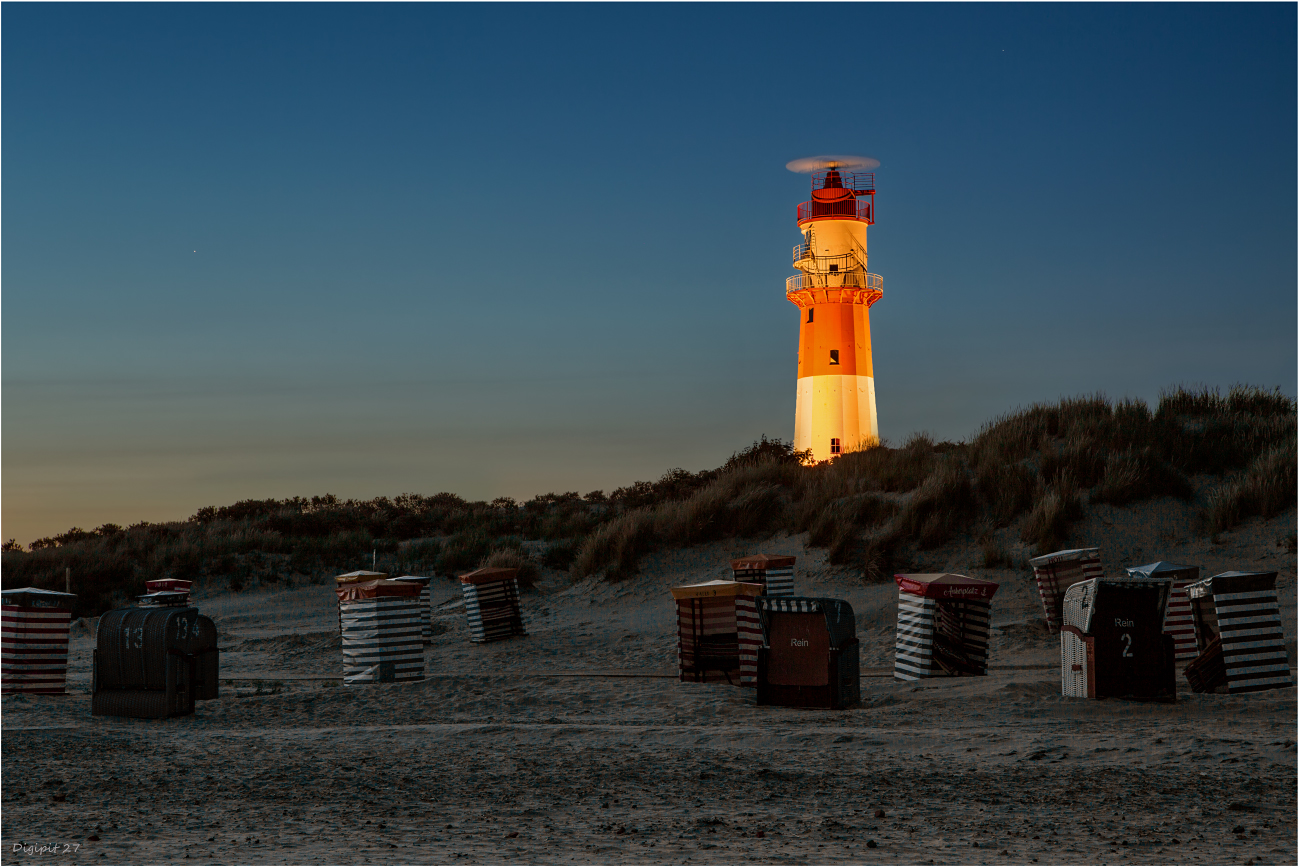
(263, 250)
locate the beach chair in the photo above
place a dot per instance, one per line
(1238, 633)
(718, 634)
(492, 604)
(774, 572)
(943, 626)
(1178, 615)
(1055, 572)
(809, 655)
(1113, 643)
(426, 608)
(153, 662)
(380, 631)
(355, 578)
(35, 624)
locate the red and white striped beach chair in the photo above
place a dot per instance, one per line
(1056, 572)
(1178, 615)
(718, 634)
(35, 640)
(774, 571)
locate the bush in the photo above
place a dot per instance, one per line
(879, 558)
(418, 557)
(995, 556)
(1266, 488)
(560, 555)
(462, 552)
(511, 557)
(941, 506)
(1007, 489)
(1048, 525)
(1131, 476)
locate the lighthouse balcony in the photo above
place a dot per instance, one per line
(835, 280)
(848, 208)
(806, 260)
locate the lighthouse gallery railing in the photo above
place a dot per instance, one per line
(835, 280)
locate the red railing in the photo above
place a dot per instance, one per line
(845, 209)
(860, 182)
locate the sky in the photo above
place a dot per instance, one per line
(264, 250)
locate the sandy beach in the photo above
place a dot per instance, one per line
(577, 745)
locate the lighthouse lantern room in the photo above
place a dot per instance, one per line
(835, 409)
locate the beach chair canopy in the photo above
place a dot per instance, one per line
(488, 574)
(764, 561)
(944, 585)
(1064, 556)
(717, 588)
(35, 597)
(415, 579)
(1162, 569)
(375, 589)
(359, 575)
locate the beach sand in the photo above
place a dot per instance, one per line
(505, 754)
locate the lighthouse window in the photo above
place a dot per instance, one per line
(835, 356)
(835, 269)
(835, 446)
(810, 313)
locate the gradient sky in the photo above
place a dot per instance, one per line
(267, 250)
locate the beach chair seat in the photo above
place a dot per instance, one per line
(810, 653)
(1113, 644)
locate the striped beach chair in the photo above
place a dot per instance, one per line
(1055, 572)
(774, 571)
(809, 656)
(492, 604)
(380, 626)
(1178, 614)
(943, 626)
(426, 608)
(718, 633)
(1113, 643)
(1239, 634)
(34, 627)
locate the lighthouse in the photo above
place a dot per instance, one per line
(835, 407)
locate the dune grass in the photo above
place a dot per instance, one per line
(1035, 470)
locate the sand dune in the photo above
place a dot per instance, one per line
(505, 754)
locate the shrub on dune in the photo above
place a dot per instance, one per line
(512, 557)
(1048, 524)
(1266, 488)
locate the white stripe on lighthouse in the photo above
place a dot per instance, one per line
(843, 407)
